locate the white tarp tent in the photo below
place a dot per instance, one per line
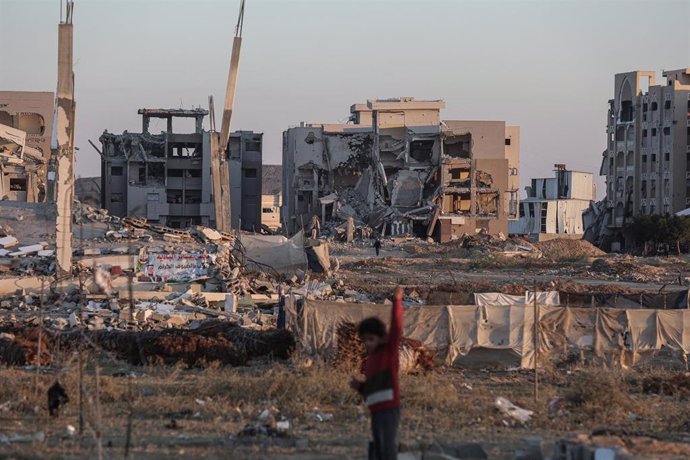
(275, 251)
(504, 333)
(498, 298)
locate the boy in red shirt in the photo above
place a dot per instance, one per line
(381, 388)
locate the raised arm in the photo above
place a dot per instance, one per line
(395, 333)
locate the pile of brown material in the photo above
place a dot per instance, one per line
(671, 385)
(562, 248)
(350, 353)
(215, 340)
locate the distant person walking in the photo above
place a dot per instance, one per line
(377, 246)
(380, 388)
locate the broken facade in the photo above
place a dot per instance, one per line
(554, 205)
(26, 122)
(397, 168)
(271, 199)
(166, 177)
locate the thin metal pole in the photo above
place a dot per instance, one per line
(536, 344)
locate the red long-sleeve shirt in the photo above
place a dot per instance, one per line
(381, 389)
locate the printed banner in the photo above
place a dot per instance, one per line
(174, 267)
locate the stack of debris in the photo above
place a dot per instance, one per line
(83, 213)
(627, 269)
(32, 259)
(350, 353)
(213, 341)
(618, 445)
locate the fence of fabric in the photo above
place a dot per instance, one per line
(503, 333)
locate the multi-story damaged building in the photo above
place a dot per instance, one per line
(398, 168)
(26, 122)
(647, 159)
(554, 205)
(166, 177)
(271, 183)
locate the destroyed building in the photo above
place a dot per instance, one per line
(26, 121)
(554, 205)
(166, 177)
(271, 184)
(397, 168)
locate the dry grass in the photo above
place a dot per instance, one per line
(211, 405)
(600, 393)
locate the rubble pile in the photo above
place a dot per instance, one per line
(350, 353)
(328, 289)
(83, 213)
(143, 311)
(627, 269)
(608, 443)
(481, 242)
(30, 260)
(563, 248)
(214, 340)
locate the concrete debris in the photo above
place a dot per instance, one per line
(511, 410)
(624, 268)
(8, 241)
(399, 170)
(607, 444)
(38, 437)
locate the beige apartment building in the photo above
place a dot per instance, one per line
(647, 159)
(397, 168)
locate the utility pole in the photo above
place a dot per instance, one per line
(65, 110)
(219, 160)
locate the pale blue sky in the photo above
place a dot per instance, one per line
(547, 66)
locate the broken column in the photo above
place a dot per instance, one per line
(64, 148)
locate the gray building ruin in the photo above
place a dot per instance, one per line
(397, 168)
(166, 177)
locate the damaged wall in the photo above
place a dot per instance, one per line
(32, 113)
(397, 168)
(166, 177)
(555, 205)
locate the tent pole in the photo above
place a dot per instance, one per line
(536, 344)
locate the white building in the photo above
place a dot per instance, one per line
(554, 205)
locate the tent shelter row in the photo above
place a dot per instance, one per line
(504, 335)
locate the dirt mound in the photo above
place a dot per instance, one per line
(562, 248)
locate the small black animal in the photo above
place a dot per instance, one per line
(57, 396)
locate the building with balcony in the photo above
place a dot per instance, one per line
(647, 158)
(166, 177)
